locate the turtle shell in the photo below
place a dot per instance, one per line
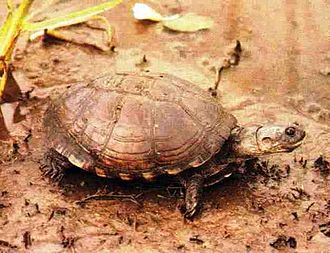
(137, 125)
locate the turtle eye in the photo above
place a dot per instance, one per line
(290, 131)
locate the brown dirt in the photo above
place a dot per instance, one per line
(285, 50)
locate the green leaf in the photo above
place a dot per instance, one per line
(68, 19)
(189, 22)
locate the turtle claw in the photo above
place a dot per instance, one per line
(55, 173)
(189, 212)
(55, 166)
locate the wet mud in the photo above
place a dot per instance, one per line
(280, 204)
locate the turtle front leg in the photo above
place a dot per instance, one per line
(55, 166)
(194, 191)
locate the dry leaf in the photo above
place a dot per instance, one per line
(76, 17)
(189, 22)
(4, 133)
(8, 112)
(16, 120)
(144, 12)
(82, 34)
(12, 92)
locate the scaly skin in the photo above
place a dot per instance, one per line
(244, 143)
(257, 140)
(55, 166)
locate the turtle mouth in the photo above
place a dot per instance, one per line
(295, 145)
(300, 141)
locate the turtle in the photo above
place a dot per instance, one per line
(134, 126)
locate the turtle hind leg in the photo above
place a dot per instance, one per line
(194, 191)
(55, 165)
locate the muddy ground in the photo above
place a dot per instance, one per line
(282, 206)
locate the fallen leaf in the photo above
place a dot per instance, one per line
(37, 28)
(15, 132)
(4, 133)
(8, 112)
(145, 12)
(189, 22)
(12, 91)
(15, 119)
(82, 34)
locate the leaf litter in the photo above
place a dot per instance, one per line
(188, 22)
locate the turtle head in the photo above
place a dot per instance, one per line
(257, 140)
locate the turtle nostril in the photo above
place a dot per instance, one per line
(296, 124)
(290, 131)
